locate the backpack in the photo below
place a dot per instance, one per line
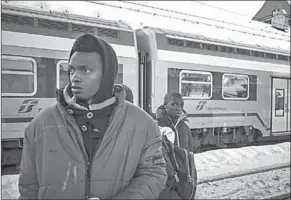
(181, 170)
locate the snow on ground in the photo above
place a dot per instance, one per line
(209, 163)
(254, 186)
(9, 187)
(223, 161)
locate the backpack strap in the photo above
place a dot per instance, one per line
(181, 118)
(170, 149)
(193, 174)
(189, 179)
(192, 165)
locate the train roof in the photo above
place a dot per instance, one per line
(62, 16)
(261, 41)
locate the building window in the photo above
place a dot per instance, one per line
(195, 85)
(119, 76)
(18, 76)
(235, 87)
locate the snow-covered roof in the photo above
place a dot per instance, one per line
(241, 30)
(268, 7)
(61, 13)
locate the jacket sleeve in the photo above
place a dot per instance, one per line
(150, 177)
(28, 182)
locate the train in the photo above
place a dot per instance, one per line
(234, 92)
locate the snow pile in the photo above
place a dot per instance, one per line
(209, 163)
(9, 187)
(223, 161)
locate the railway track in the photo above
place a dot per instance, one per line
(272, 182)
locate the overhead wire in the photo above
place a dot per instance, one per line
(191, 21)
(187, 14)
(219, 8)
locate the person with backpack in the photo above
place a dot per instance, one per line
(177, 146)
(168, 114)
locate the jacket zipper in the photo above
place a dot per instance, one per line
(90, 159)
(89, 169)
(88, 179)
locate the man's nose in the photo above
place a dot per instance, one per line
(76, 76)
(179, 108)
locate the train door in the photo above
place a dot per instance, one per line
(280, 106)
(144, 82)
(289, 105)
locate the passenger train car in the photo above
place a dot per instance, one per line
(35, 49)
(233, 92)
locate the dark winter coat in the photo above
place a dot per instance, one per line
(109, 149)
(127, 165)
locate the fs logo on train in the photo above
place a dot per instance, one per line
(27, 105)
(200, 105)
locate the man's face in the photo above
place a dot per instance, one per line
(85, 69)
(174, 107)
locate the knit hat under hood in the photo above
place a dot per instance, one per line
(90, 43)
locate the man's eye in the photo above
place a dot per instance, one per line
(87, 70)
(71, 71)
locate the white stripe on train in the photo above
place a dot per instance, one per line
(184, 57)
(55, 43)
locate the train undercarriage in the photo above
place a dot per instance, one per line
(206, 139)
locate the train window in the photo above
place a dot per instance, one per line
(194, 45)
(282, 57)
(279, 103)
(227, 49)
(271, 55)
(235, 87)
(243, 51)
(18, 76)
(257, 54)
(195, 85)
(210, 47)
(175, 42)
(62, 74)
(119, 77)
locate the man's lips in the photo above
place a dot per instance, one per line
(76, 88)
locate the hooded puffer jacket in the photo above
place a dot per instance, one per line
(127, 165)
(183, 134)
(109, 149)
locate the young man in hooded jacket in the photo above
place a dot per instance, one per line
(92, 143)
(172, 115)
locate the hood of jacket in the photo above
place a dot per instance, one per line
(110, 65)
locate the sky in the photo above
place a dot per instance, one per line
(237, 12)
(246, 9)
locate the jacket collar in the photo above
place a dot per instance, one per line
(119, 95)
(161, 112)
